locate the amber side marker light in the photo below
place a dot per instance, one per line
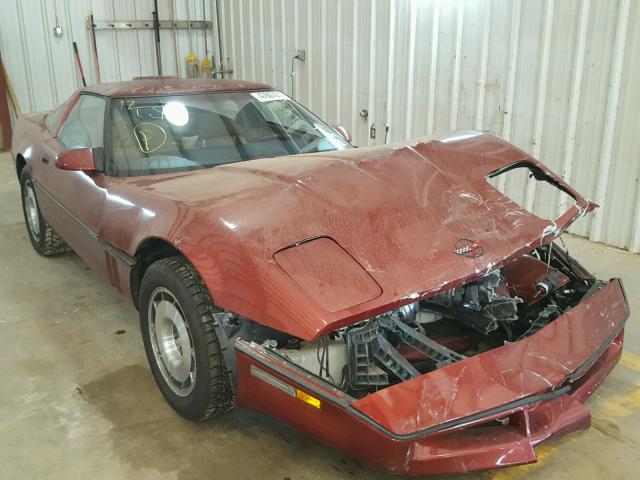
(285, 387)
(306, 398)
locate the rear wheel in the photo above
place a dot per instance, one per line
(44, 238)
(177, 322)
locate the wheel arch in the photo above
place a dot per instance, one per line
(149, 251)
(20, 164)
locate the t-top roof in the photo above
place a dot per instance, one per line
(170, 86)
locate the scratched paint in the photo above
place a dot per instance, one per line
(611, 407)
(543, 452)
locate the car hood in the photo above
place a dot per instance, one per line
(309, 243)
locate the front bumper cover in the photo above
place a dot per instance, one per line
(486, 411)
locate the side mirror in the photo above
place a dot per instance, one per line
(80, 159)
(343, 132)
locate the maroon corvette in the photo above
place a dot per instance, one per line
(393, 302)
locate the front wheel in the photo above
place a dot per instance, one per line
(177, 322)
(44, 238)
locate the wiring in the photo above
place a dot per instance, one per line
(319, 358)
(564, 245)
(323, 358)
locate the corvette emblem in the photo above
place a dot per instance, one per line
(468, 248)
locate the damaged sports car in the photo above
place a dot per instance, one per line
(393, 302)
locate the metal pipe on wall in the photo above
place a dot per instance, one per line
(220, 65)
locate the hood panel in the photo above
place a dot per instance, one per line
(328, 274)
(397, 211)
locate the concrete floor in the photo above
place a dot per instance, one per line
(77, 399)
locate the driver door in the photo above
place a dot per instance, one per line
(76, 198)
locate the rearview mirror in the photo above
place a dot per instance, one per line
(343, 132)
(80, 159)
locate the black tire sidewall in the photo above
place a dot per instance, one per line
(195, 404)
(38, 243)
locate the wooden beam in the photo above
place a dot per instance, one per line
(10, 92)
(5, 117)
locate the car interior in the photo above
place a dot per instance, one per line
(145, 141)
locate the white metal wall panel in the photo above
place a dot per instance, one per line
(559, 78)
(42, 66)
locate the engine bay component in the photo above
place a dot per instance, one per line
(483, 305)
(547, 284)
(369, 350)
(531, 279)
(362, 345)
(325, 357)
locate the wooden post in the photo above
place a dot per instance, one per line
(5, 117)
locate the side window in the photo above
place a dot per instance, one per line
(52, 119)
(84, 127)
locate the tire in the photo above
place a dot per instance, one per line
(177, 323)
(45, 240)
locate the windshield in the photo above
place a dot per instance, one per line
(187, 132)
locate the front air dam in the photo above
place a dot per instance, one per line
(486, 411)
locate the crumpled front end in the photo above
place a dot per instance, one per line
(478, 396)
(492, 409)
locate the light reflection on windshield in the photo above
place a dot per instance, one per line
(176, 113)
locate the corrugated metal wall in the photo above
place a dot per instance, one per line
(42, 67)
(560, 79)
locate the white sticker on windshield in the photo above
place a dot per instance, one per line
(269, 96)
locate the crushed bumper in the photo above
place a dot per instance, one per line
(510, 439)
(487, 411)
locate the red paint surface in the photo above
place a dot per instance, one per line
(328, 274)
(396, 210)
(79, 159)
